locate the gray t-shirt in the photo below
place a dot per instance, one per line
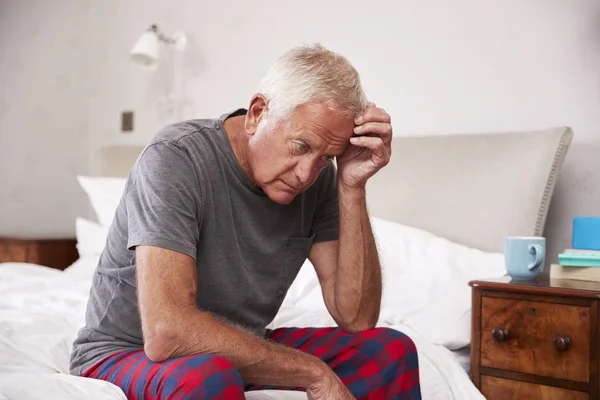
(188, 193)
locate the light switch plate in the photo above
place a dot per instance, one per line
(127, 121)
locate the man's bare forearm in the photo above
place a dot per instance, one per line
(358, 284)
(259, 361)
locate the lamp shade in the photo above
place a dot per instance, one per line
(145, 52)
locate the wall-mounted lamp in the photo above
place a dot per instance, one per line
(146, 54)
(146, 51)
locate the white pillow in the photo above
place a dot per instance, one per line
(105, 194)
(425, 282)
(91, 237)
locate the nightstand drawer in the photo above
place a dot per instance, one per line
(534, 337)
(506, 389)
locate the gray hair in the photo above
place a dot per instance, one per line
(312, 73)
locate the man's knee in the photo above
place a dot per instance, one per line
(393, 335)
(393, 341)
(207, 376)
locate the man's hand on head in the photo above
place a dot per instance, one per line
(369, 149)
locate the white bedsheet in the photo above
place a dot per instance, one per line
(41, 310)
(463, 356)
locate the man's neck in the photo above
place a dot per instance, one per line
(234, 128)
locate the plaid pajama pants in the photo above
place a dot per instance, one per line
(380, 363)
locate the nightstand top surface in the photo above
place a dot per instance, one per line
(553, 287)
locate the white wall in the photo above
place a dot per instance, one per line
(43, 115)
(437, 66)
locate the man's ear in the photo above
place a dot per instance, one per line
(257, 111)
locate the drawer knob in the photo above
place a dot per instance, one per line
(500, 334)
(561, 343)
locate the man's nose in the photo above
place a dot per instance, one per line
(304, 171)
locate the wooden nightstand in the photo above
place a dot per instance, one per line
(536, 340)
(55, 253)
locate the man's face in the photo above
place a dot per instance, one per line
(286, 156)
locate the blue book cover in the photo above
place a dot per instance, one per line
(586, 233)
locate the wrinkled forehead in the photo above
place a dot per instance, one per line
(321, 122)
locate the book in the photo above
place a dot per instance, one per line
(580, 258)
(558, 271)
(586, 232)
(592, 252)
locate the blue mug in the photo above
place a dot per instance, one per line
(524, 257)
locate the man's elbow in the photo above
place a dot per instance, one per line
(358, 326)
(352, 321)
(160, 342)
(359, 323)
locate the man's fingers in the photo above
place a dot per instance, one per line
(375, 144)
(373, 114)
(374, 123)
(371, 142)
(381, 129)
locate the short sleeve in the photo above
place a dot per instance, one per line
(326, 217)
(163, 200)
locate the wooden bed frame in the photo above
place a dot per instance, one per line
(54, 253)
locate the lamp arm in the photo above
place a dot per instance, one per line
(178, 40)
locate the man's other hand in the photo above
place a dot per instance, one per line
(329, 387)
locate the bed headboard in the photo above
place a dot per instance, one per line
(474, 189)
(115, 161)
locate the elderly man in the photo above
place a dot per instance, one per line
(217, 217)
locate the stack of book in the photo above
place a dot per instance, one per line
(581, 265)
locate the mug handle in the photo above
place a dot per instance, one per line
(537, 250)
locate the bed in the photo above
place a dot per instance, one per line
(440, 211)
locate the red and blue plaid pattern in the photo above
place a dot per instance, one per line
(194, 377)
(380, 363)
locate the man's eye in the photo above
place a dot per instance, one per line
(300, 146)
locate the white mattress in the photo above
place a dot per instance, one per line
(41, 310)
